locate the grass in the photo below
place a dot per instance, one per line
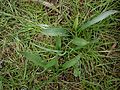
(94, 66)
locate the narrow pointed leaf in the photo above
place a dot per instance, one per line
(55, 32)
(58, 43)
(98, 18)
(34, 57)
(79, 42)
(51, 63)
(75, 25)
(70, 63)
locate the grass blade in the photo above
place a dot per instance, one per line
(75, 25)
(98, 18)
(51, 63)
(1, 87)
(55, 32)
(70, 63)
(79, 42)
(47, 49)
(34, 57)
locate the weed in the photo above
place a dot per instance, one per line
(44, 49)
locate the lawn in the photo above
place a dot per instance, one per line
(59, 45)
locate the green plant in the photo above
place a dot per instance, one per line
(37, 56)
(59, 33)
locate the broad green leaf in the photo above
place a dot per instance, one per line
(58, 43)
(71, 63)
(55, 32)
(34, 57)
(51, 63)
(75, 25)
(98, 18)
(79, 42)
(76, 72)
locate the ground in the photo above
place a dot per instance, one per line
(23, 45)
